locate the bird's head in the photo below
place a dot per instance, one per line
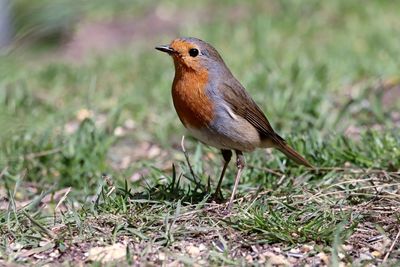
(193, 54)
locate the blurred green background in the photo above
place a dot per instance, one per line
(82, 90)
(84, 96)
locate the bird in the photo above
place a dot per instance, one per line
(217, 110)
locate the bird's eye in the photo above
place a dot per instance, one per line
(193, 52)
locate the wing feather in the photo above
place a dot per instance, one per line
(243, 105)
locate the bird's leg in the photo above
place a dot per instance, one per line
(240, 163)
(227, 155)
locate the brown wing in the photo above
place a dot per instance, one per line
(243, 105)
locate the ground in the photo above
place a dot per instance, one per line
(91, 163)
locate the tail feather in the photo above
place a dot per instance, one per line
(294, 155)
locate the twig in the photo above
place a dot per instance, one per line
(351, 190)
(344, 182)
(268, 170)
(44, 230)
(62, 199)
(391, 247)
(352, 170)
(187, 159)
(3, 172)
(43, 153)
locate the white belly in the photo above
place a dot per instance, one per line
(237, 135)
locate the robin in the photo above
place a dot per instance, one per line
(216, 109)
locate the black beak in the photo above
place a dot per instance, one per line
(165, 48)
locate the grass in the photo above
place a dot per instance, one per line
(90, 151)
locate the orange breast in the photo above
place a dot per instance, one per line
(191, 102)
